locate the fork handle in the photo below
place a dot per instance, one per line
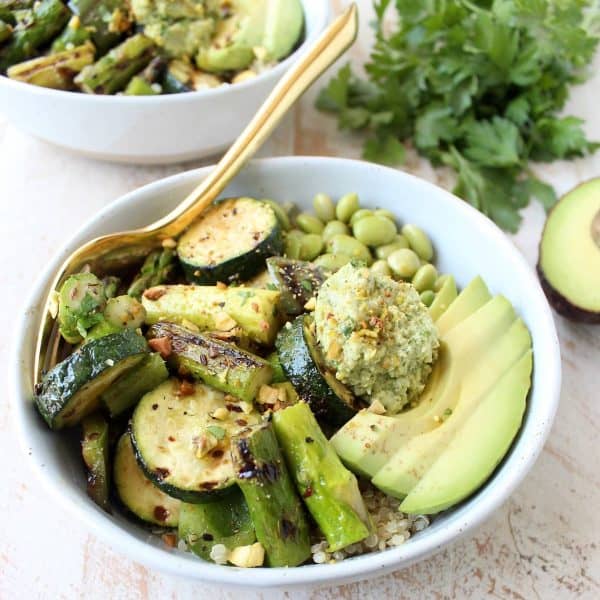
(334, 41)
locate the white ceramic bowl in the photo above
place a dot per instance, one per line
(467, 244)
(149, 129)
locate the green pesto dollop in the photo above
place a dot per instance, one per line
(377, 335)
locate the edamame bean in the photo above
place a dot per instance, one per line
(418, 241)
(388, 214)
(332, 262)
(404, 263)
(427, 298)
(344, 244)
(346, 207)
(382, 252)
(424, 278)
(292, 246)
(334, 228)
(374, 231)
(280, 213)
(311, 246)
(324, 207)
(309, 223)
(380, 267)
(440, 281)
(360, 214)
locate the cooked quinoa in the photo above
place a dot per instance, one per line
(377, 335)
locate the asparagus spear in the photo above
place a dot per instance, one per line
(94, 450)
(329, 490)
(156, 269)
(55, 70)
(73, 35)
(147, 83)
(47, 19)
(276, 511)
(113, 71)
(107, 20)
(5, 31)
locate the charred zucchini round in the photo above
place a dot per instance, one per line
(72, 389)
(230, 242)
(303, 365)
(181, 433)
(138, 493)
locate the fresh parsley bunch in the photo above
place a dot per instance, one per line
(477, 86)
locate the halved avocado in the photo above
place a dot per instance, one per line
(569, 262)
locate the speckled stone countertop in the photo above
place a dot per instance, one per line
(543, 543)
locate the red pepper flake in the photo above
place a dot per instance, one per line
(186, 388)
(161, 345)
(161, 473)
(171, 438)
(155, 293)
(160, 513)
(308, 492)
(241, 422)
(264, 326)
(255, 307)
(234, 408)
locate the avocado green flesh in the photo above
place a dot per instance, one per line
(474, 296)
(443, 299)
(408, 465)
(274, 25)
(570, 248)
(478, 447)
(470, 338)
(225, 522)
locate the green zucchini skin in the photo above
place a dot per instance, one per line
(226, 521)
(300, 359)
(278, 373)
(166, 430)
(94, 451)
(219, 364)
(230, 242)
(297, 280)
(126, 391)
(72, 389)
(137, 493)
(276, 510)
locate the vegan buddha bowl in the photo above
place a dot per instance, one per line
(308, 387)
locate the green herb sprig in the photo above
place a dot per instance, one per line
(477, 86)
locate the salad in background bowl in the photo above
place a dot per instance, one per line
(345, 467)
(211, 62)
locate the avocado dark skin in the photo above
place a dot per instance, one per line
(562, 305)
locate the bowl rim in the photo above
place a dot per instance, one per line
(522, 455)
(321, 12)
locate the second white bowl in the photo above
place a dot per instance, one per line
(149, 129)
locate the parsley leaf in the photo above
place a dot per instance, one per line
(477, 85)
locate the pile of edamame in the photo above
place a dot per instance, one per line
(338, 233)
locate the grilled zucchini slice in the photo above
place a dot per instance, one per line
(72, 389)
(297, 280)
(182, 434)
(230, 242)
(219, 364)
(94, 451)
(138, 493)
(303, 366)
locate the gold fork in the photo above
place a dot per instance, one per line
(102, 253)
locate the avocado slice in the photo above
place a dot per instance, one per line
(477, 448)
(474, 296)
(443, 299)
(273, 25)
(366, 449)
(569, 261)
(408, 465)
